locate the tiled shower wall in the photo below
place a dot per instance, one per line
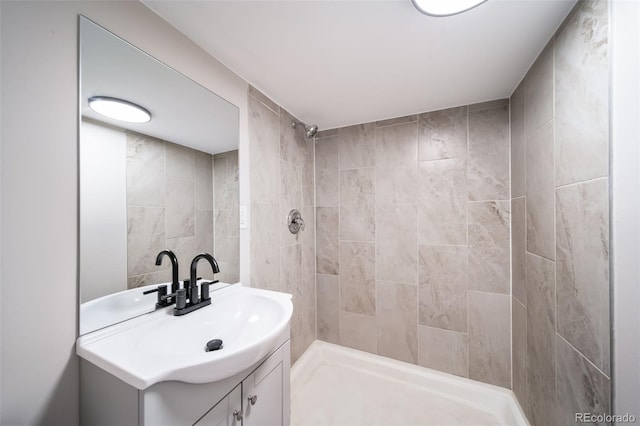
(560, 207)
(281, 164)
(413, 237)
(169, 206)
(226, 218)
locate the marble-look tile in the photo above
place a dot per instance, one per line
(180, 161)
(326, 133)
(308, 185)
(538, 92)
(145, 171)
(290, 198)
(582, 232)
(490, 338)
(582, 95)
(179, 212)
(519, 352)
(328, 294)
(162, 276)
(518, 248)
(582, 388)
(396, 243)
(497, 103)
(443, 277)
(397, 324)
(540, 193)
(258, 95)
(292, 141)
(309, 302)
(518, 143)
(357, 146)
(488, 161)
(357, 277)
(264, 145)
(203, 181)
(233, 166)
(443, 350)
(396, 184)
(219, 171)
(227, 252)
(397, 120)
(327, 153)
(443, 134)
(327, 240)
(265, 258)
(291, 273)
(204, 231)
(358, 331)
(327, 187)
(226, 223)
(540, 339)
(357, 204)
(489, 246)
(297, 340)
(442, 198)
(145, 238)
(397, 145)
(185, 250)
(309, 241)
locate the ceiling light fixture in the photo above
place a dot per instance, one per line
(445, 7)
(119, 109)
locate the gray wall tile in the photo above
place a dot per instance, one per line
(443, 350)
(203, 181)
(309, 313)
(443, 134)
(489, 246)
(489, 338)
(264, 144)
(265, 258)
(357, 146)
(396, 243)
(443, 278)
(328, 294)
(582, 95)
(327, 242)
(397, 145)
(292, 141)
(518, 144)
(396, 184)
(540, 193)
(145, 238)
(291, 275)
(357, 277)
(582, 223)
(488, 161)
(398, 321)
(518, 249)
(539, 92)
(145, 171)
(180, 162)
(398, 120)
(519, 352)
(291, 198)
(180, 207)
(442, 198)
(541, 339)
(358, 331)
(582, 388)
(357, 204)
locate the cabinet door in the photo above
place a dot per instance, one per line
(224, 412)
(262, 395)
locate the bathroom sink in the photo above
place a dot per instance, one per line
(160, 347)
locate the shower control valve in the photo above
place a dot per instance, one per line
(295, 221)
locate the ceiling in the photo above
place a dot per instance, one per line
(182, 111)
(339, 62)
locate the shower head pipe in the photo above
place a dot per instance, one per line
(310, 131)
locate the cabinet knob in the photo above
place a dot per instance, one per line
(253, 399)
(237, 415)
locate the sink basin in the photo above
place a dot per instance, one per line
(160, 347)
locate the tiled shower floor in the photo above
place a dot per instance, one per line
(336, 386)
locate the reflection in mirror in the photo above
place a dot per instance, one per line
(170, 183)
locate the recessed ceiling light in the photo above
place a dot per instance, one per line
(445, 7)
(119, 109)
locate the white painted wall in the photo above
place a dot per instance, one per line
(103, 201)
(625, 172)
(39, 172)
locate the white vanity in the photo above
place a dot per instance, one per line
(154, 370)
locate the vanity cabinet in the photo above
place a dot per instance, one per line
(258, 396)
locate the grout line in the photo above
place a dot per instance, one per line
(467, 226)
(581, 182)
(581, 355)
(489, 292)
(541, 257)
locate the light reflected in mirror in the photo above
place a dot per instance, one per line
(170, 183)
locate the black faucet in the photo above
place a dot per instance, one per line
(190, 292)
(174, 266)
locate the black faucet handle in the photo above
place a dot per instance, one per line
(162, 295)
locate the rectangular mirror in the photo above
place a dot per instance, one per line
(168, 183)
